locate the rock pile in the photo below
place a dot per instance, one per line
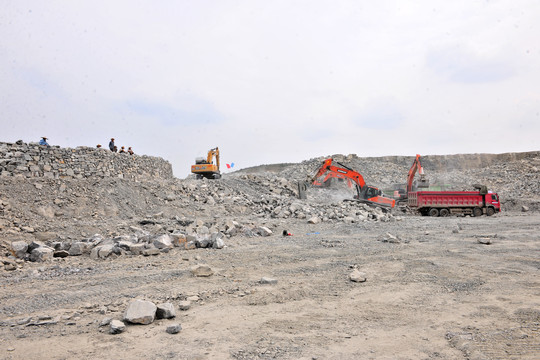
(33, 160)
(143, 312)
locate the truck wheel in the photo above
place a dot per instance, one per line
(490, 211)
(477, 212)
(433, 212)
(444, 212)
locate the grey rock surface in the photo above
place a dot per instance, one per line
(165, 311)
(202, 270)
(140, 312)
(173, 329)
(117, 327)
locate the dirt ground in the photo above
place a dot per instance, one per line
(436, 294)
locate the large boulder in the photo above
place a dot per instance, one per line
(163, 242)
(19, 248)
(101, 252)
(43, 253)
(136, 249)
(263, 231)
(34, 245)
(165, 311)
(140, 312)
(178, 239)
(77, 248)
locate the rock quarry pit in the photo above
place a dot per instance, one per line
(105, 255)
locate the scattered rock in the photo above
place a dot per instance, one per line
(314, 220)
(178, 239)
(357, 276)
(9, 265)
(117, 327)
(165, 311)
(41, 254)
(174, 328)
(202, 270)
(106, 321)
(524, 208)
(140, 312)
(163, 241)
(484, 240)
(101, 252)
(267, 280)
(19, 248)
(219, 243)
(264, 231)
(150, 252)
(184, 305)
(61, 253)
(391, 239)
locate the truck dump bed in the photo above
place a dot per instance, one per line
(445, 199)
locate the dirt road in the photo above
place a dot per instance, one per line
(438, 293)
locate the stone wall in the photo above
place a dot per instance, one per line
(33, 160)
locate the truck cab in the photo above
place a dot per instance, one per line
(493, 199)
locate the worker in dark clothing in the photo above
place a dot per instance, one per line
(112, 147)
(130, 152)
(122, 150)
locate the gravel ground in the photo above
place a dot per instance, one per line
(438, 293)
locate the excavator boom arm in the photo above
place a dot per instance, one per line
(327, 165)
(416, 166)
(211, 153)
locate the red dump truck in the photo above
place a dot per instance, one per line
(444, 203)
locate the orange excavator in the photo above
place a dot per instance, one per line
(422, 182)
(364, 193)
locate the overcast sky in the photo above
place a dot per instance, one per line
(272, 81)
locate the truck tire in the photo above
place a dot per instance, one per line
(477, 211)
(444, 212)
(490, 211)
(433, 212)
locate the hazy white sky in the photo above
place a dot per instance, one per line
(272, 81)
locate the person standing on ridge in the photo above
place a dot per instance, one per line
(112, 147)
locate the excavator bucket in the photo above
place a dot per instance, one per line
(422, 182)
